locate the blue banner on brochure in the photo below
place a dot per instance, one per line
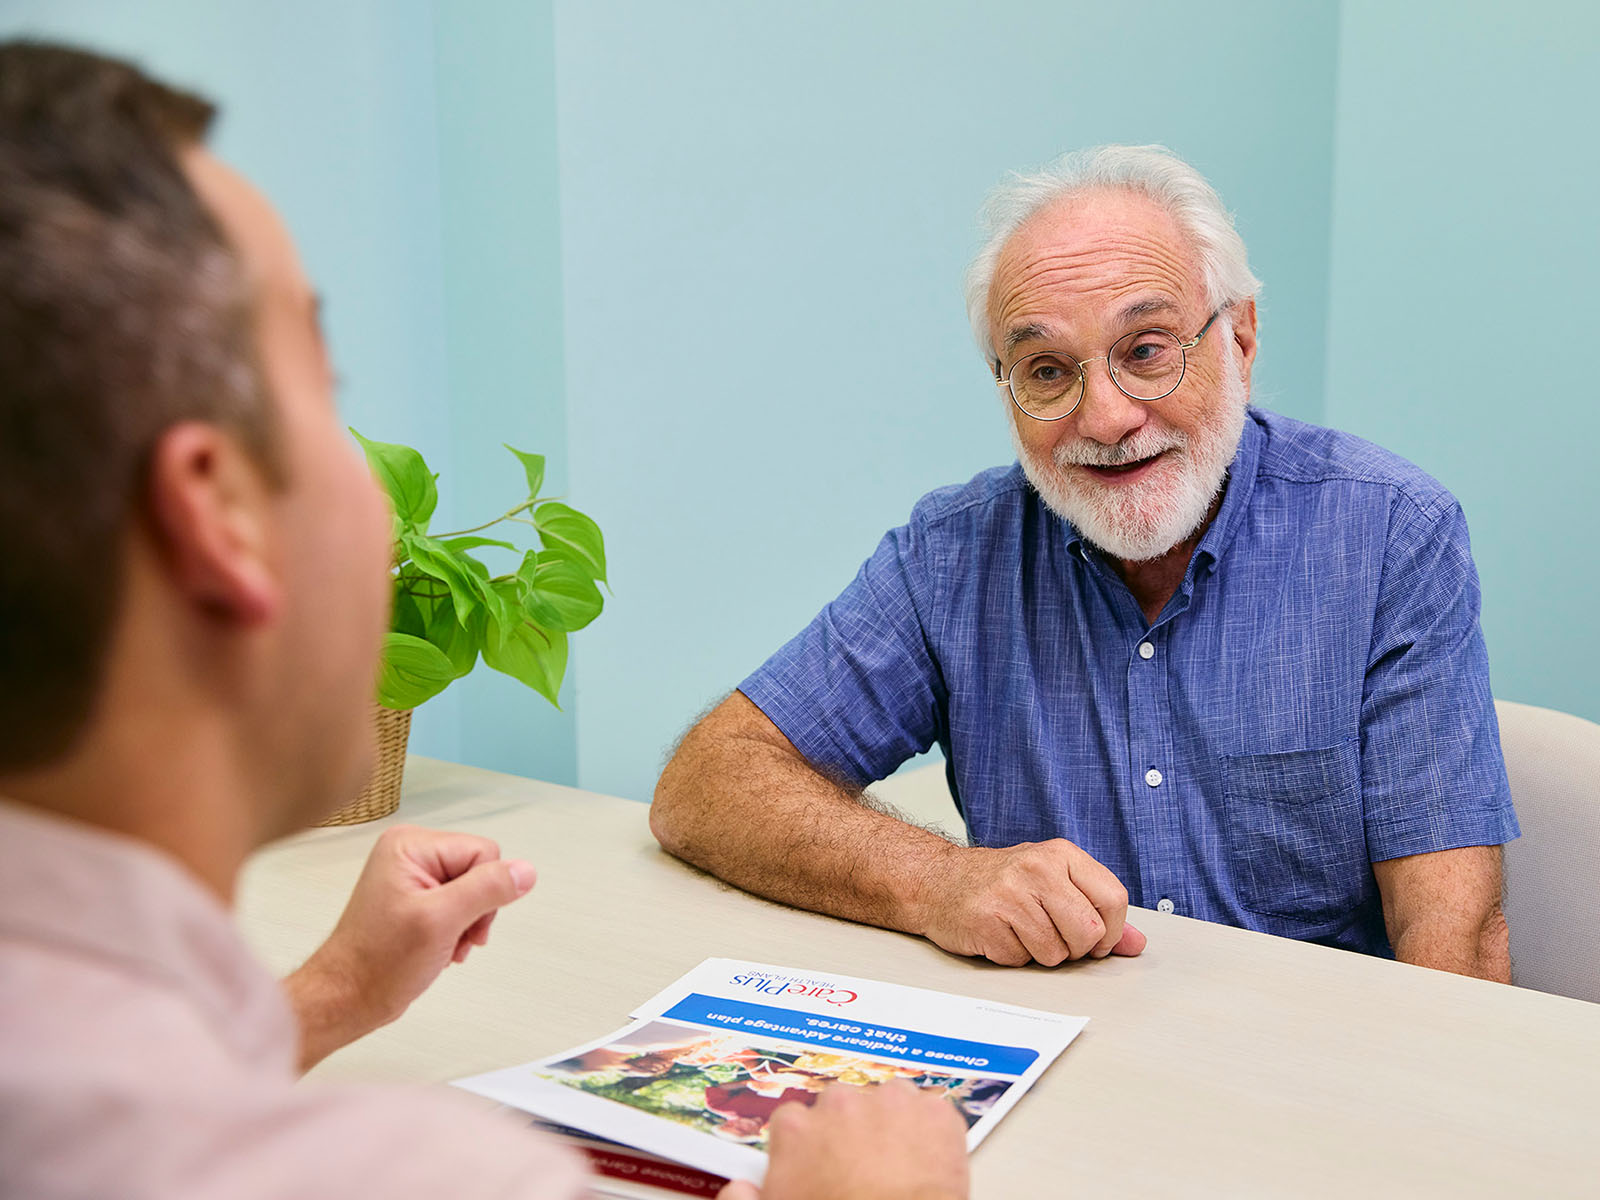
(858, 1037)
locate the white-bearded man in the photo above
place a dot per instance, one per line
(1185, 653)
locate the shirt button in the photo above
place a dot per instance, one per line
(1163, 905)
(1146, 650)
(1153, 777)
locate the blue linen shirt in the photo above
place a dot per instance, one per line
(1313, 699)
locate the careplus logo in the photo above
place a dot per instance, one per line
(783, 985)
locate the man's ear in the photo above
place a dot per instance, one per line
(211, 516)
(1244, 333)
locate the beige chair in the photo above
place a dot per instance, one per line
(1552, 870)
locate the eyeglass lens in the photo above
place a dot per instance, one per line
(1146, 364)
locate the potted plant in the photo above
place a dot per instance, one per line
(450, 609)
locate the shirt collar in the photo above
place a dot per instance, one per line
(127, 907)
(1235, 500)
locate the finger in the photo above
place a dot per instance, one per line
(1076, 920)
(902, 1091)
(1105, 892)
(445, 856)
(1037, 930)
(478, 932)
(1131, 943)
(1004, 945)
(739, 1189)
(483, 889)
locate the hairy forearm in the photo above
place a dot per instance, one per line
(738, 801)
(1443, 910)
(322, 1010)
(329, 1007)
(1482, 950)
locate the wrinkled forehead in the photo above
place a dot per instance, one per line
(1078, 259)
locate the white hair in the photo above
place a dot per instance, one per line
(1152, 171)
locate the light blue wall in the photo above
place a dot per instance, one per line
(707, 257)
(331, 110)
(1463, 310)
(441, 287)
(502, 292)
(765, 215)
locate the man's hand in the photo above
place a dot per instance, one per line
(892, 1142)
(1043, 902)
(738, 800)
(423, 901)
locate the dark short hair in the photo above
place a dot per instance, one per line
(123, 310)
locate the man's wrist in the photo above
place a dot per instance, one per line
(924, 884)
(329, 1006)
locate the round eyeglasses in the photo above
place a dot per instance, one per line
(1146, 365)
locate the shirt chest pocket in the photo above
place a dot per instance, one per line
(1295, 835)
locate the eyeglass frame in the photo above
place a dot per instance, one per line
(1083, 368)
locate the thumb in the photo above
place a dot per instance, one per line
(739, 1189)
(1131, 942)
(487, 887)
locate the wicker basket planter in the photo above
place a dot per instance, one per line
(381, 796)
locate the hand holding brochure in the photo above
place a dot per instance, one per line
(696, 1076)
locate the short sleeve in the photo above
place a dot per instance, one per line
(1432, 773)
(859, 691)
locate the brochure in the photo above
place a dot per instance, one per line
(697, 1074)
(623, 1173)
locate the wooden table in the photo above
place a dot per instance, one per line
(1220, 1063)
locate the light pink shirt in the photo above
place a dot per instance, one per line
(144, 1052)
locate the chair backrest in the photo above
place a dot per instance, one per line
(1553, 869)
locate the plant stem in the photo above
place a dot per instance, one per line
(523, 507)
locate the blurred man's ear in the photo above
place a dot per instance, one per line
(210, 514)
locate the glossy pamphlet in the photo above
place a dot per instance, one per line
(697, 1074)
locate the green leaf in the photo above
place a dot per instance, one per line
(415, 586)
(451, 568)
(513, 587)
(407, 616)
(405, 477)
(566, 533)
(459, 642)
(412, 670)
(530, 563)
(533, 465)
(536, 657)
(562, 596)
(472, 543)
(500, 608)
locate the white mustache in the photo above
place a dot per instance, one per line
(1144, 444)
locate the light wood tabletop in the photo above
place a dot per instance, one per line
(1219, 1063)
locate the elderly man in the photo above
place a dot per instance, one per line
(192, 596)
(1187, 652)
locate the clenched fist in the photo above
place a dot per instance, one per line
(1043, 902)
(423, 901)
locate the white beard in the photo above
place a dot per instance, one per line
(1144, 520)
